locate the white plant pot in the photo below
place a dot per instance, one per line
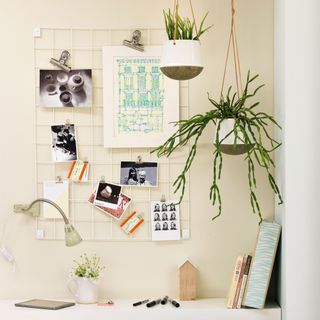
(226, 133)
(85, 290)
(181, 60)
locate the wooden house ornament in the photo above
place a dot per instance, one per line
(188, 281)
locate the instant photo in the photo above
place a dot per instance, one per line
(165, 220)
(59, 88)
(64, 145)
(124, 202)
(108, 195)
(144, 174)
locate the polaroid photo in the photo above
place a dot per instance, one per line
(123, 205)
(108, 195)
(63, 143)
(165, 220)
(66, 89)
(144, 174)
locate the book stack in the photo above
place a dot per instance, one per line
(252, 275)
(239, 281)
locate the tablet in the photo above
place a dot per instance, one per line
(44, 304)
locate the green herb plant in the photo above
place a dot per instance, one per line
(182, 28)
(88, 267)
(253, 126)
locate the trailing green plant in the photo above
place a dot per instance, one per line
(88, 267)
(250, 128)
(182, 28)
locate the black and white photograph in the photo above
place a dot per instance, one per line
(63, 145)
(107, 195)
(59, 88)
(144, 174)
(165, 224)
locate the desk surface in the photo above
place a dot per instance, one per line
(202, 309)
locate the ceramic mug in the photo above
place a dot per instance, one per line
(85, 290)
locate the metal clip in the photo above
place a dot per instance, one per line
(59, 179)
(102, 179)
(139, 160)
(62, 62)
(134, 43)
(163, 198)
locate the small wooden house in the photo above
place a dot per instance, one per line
(188, 281)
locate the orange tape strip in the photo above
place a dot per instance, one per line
(71, 168)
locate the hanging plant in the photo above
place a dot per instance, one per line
(181, 54)
(240, 129)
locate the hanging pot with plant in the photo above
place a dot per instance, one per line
(181, 54)
(240, 128)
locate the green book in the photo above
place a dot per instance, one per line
(262, 265)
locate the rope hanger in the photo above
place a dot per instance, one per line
(234, 43)
(175, 16)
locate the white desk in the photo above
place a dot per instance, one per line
(203, 309)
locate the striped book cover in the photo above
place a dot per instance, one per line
(261, 269)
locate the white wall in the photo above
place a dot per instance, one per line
(133, 269)
(297, 103)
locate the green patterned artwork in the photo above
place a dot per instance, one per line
(141, 95)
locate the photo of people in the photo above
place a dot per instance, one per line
(124, 202)
(59, 88)
(165, 224)
(144, 174)
(63, 145)
(107, 195)
(164, 216)
(173, 216)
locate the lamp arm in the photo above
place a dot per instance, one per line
(50, 202)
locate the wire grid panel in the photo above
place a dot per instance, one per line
(85, 47)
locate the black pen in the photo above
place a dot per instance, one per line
(140, 302)
(153, 303)
(164, 300)
(174, 303)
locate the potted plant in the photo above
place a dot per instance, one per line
(237, 121)
(84, 281)
(181, 54)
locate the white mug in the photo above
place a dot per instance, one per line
(85, 290)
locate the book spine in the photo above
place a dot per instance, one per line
(237, 293)
(244, 281)
(234, 281)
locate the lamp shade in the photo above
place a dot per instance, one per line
(72, 236)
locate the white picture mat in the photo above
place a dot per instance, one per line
(57, 192)
(110, 101)
(165, 235)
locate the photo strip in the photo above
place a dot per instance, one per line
(140, 174)
(63, 143)
(124, 203)
(66, 89)
(108, 195)
(165, 220)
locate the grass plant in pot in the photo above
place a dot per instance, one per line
(84, 281)
(181, 53)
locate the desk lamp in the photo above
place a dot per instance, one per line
(72, 237)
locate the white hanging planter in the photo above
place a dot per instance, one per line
(181, 59)
(226, 133)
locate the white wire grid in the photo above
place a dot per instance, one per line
(85, 47)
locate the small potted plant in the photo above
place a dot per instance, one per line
(239, 129)
(84, 281)
(181, 54)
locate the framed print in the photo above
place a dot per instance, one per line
(140, 103)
